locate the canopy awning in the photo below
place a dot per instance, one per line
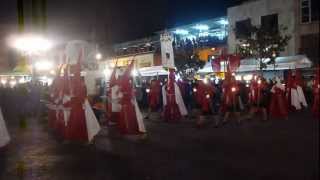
(152, 71)
(282, 63)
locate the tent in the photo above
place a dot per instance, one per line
(152, 71)
(282, 63)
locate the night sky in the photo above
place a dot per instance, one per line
(116, 20)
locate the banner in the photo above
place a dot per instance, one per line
(167, 55)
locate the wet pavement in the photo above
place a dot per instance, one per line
(277, 149)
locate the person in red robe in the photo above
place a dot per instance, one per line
(113, 109)
(154, 96)
(174, 108)
(231, 98)
(130, 121)
(63, 91)
(81, 123)
(278, 106)
(53, 100)
(258, 97)
(316, 94)
(204, 97)
(294, 91)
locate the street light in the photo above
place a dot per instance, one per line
(98, 56)
(30, 44)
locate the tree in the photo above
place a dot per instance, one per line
(186, 58)
(264, 43)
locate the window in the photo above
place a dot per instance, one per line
(309, 11)
(314, 10)
(309, 45)
(243, 29)
(270, 23)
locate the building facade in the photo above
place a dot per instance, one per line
(300, 17)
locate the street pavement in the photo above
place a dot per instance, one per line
(276, 149)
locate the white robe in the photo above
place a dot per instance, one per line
(139, 117)
(93, 126)
(4, 135)
(115, 99)
(179, 99)
(297, 98)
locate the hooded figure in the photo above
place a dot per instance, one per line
(174, 107)
(258, 97)
(113, 105)
(130, 120)
(204, 95)
(80, 121)
(75, 120)
(278, 105)
(4, 135)
(295, 93)
(153, 95)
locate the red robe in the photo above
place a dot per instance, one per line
(128, 120)
(60, 125)
(255, 94)
(154, 94)
(76, 126)
(230, 96)
(171, 109)
(204, 96)
(278, 105)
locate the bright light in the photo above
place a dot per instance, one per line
(134, 72)
(259, 81)
(53, 72)
(44, 78)
(223, 22)
(247, 85)
(3, 81)
(205, 80)
(49, 81)
(181, 32)
(212, 78)
(13, 83)
(216, 81)
(106, 72)
(178, 77)
(22, 80)
(43, 65)
(203, 34)
(208, 96)
(31, 43)
(245, 45)
(148, 90)
(98, 56)
(201, 27)
(238, 77)
(248, 77)
(233, 89)
(195, 90)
